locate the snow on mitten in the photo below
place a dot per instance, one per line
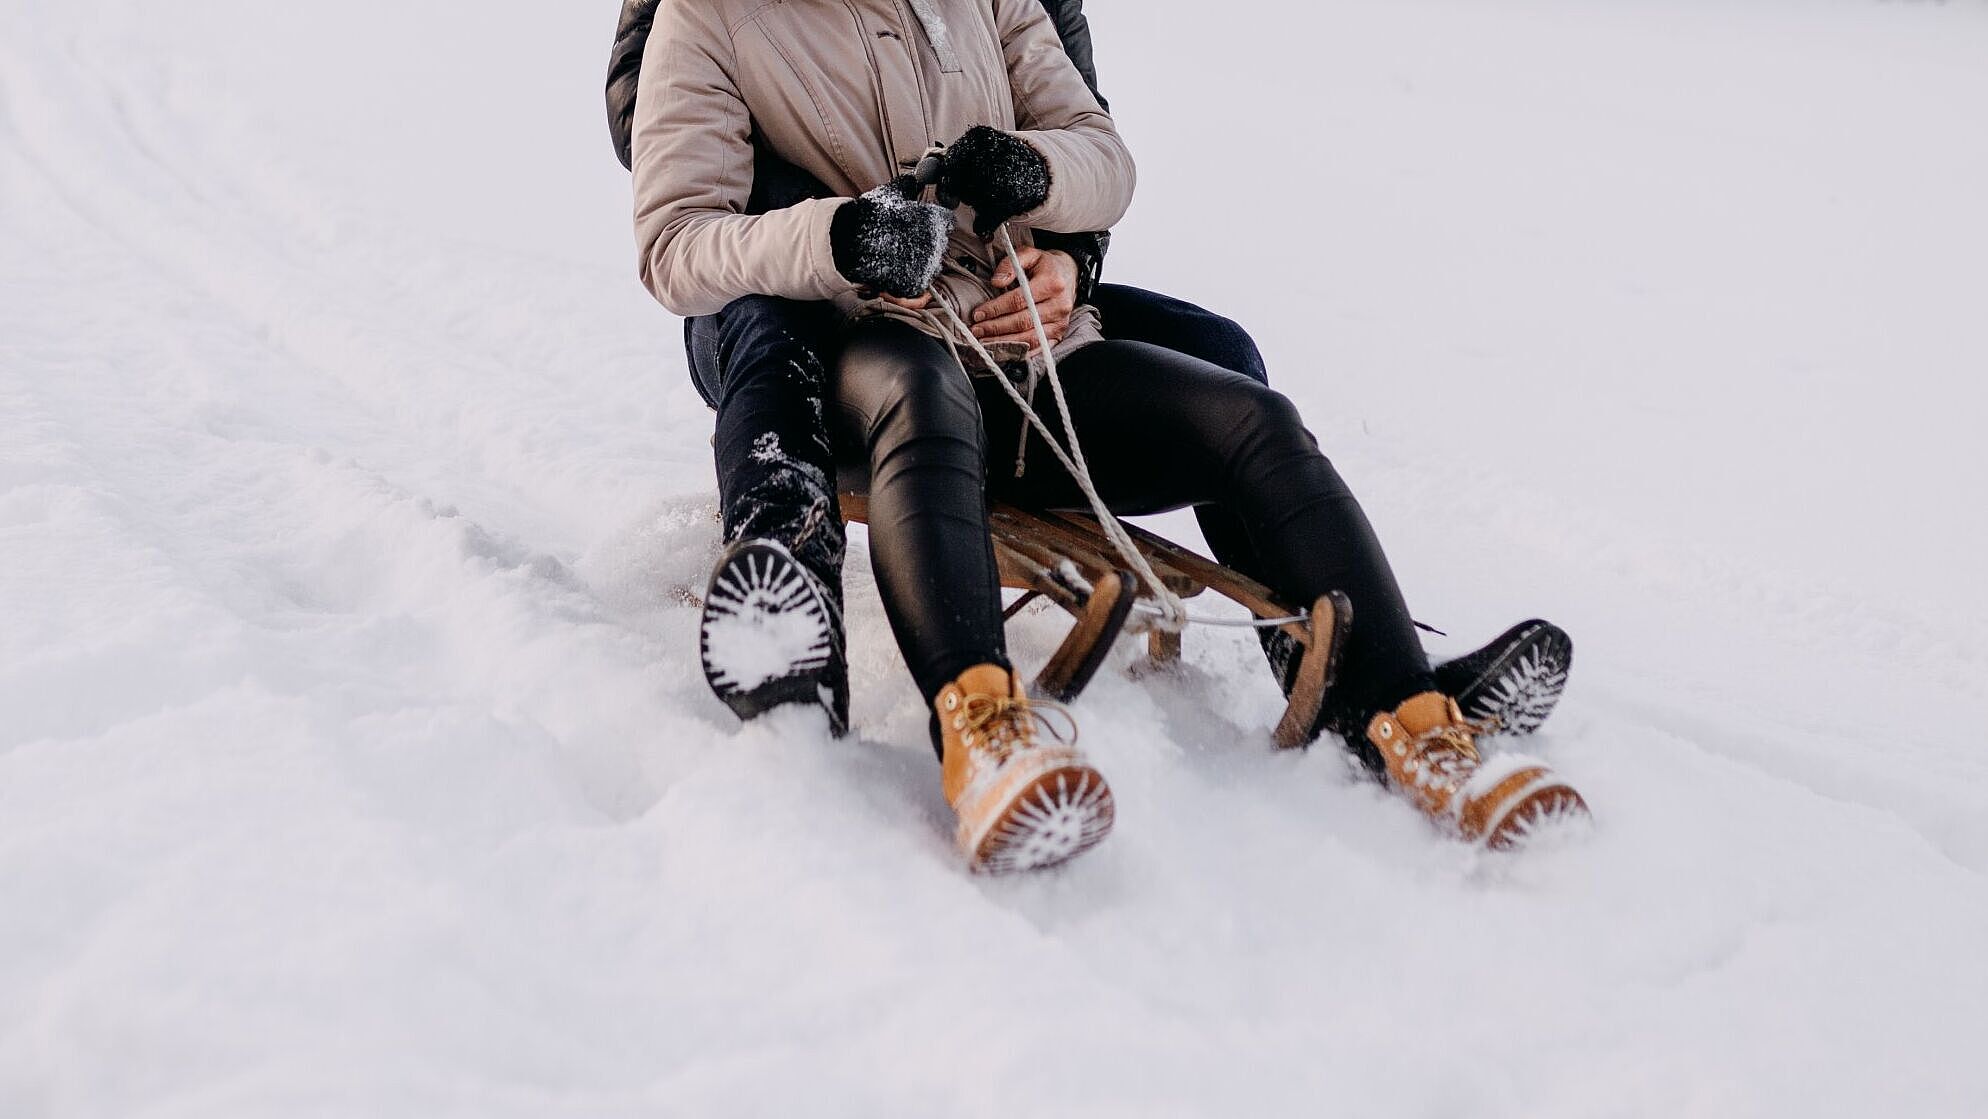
(997, 174)
(889, 241)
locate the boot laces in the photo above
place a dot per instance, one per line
(1445, 754)
(1000, 725)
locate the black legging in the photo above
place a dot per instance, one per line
(1161, 430)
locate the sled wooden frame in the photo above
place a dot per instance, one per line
(1064, 557)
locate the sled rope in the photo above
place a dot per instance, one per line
(1173, 616)
(1172, 613)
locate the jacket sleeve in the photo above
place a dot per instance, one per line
(1090, 171)
(693, 178)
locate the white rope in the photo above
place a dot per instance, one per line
(1251, 622)
(1172, 613)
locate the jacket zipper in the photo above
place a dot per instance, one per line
(876, 83)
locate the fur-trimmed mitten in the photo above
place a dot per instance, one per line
(996, 173)
(890, 241)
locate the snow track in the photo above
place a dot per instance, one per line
(354, 757)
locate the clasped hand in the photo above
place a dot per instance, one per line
(1005, 318)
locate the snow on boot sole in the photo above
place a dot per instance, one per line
(1516, 680)
(1545, 816)
(1063, 809)
(1518, 803)
(770, 635)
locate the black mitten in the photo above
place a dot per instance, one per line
(889, 241)
(997, 174)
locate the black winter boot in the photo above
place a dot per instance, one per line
(1516, 679)
(1514, 682)
(772, 634)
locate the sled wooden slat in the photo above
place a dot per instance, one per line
(1024, 529)
(1019, 570)
(1201, 571)
(1017, 606)
(1097, 599)
(1042, 563)
(1025, 569)
(1100, 605)
(1074, 530)
(1084, 649)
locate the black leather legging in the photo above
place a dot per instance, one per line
(1161, 431)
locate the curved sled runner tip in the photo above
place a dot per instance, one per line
(1325, 635)
(1077, 659)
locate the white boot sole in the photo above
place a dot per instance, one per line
(767, 636)
(1547, 811)
(1060, 813)
(1520, 693)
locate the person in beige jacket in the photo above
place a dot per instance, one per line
(858, 93)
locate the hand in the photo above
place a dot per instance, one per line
(1005, 318)
(997, 174)
(888, 241)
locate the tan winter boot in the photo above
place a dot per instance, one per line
(1021, 804)
(1431, 756)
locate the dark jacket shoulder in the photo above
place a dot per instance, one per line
(624, 71)
(1075, 31)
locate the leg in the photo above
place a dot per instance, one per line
(900, 394)
(1137, 315)
(762, 363)
(1021, 803)
(1517, 678)
(771, 632)
(1163, 430)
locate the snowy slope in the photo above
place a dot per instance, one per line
(353, 756)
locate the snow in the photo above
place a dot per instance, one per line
(761, 622)
(354, 756)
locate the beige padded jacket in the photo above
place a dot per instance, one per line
(854, 92)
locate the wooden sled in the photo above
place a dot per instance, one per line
(1065, 558)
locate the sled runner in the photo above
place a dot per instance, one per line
(1063, 557)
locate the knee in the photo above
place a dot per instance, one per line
(761, 333)
(1261, 408)
(927, 405)
(1236, 348)
(1138, 315)
(749, 315)
(1219, 341)
(899, 391)
(1263, 420)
